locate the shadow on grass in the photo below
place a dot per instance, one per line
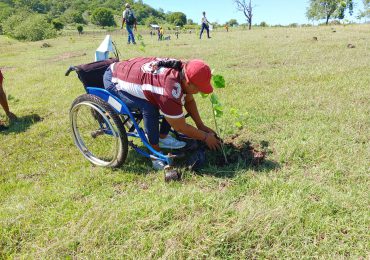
(231, 170)
(21, 124)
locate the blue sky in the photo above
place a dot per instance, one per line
(271, 11)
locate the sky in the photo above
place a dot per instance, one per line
(272, 12)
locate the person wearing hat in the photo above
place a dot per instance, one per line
(163, 86)
(4, 104)
(129, 18)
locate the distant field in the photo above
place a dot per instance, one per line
(305, 100)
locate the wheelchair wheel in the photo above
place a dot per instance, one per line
(98, 131)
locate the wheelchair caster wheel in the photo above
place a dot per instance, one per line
(171, 175)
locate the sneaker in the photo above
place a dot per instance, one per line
(158, 165)
(171, 143)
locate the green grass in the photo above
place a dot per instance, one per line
(308, 100)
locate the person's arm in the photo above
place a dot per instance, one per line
(192, 109)
(123, 18)
(180, 125)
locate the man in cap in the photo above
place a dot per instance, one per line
(129, 18)
(163, 86)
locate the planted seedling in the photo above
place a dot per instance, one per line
(217, 108)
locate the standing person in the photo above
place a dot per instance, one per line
(129, 18)
(163, 86)
(227, 27)
(205, 25)
(4, 103)
(161, 32)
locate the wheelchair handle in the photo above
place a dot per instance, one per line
(71, 68)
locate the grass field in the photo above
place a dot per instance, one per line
(307, 100)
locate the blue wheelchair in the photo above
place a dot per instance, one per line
(102, 125)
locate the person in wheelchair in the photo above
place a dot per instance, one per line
(163, 86)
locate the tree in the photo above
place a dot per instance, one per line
(177, 18)
(103, 17)
(232, 22)
(366, 12)
(325, 9)
(247, 9)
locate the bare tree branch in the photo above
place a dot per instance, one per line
(246, 8)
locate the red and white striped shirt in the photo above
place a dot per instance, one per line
(160, 87)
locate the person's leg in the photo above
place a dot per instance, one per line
(129, 33)
(207, 28)
(4, 101)
(201, 31)
(150, 116)
(132, 35)
(164, 129)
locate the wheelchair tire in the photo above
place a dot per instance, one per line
(98, 132)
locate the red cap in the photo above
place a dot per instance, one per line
(199, 74)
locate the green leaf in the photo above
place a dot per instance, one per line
(218, 113)
(214, 99)
(203, 95)
(218, 81)
(218, 107)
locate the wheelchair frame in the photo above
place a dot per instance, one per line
(136, 131)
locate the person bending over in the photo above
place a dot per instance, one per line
(163, 86)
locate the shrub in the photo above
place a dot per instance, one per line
(103, 17)
(80, 29)
(263, 24)
(58, 25)
(32, 27)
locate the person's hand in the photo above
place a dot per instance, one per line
(212, 141)
(207, 129)
(12, 116)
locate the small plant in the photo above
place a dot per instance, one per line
(80, 29)
(217, 108)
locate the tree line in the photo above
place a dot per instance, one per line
(48, 16)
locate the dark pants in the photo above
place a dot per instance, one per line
(204, 26)
(149, 111)
(131, 36)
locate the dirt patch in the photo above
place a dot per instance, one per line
(238, 151)
(68, 55)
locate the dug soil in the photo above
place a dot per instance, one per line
(238, 151)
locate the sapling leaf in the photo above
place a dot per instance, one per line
(218, 113)
(214, 99)
(218, 107)
(218, 81)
